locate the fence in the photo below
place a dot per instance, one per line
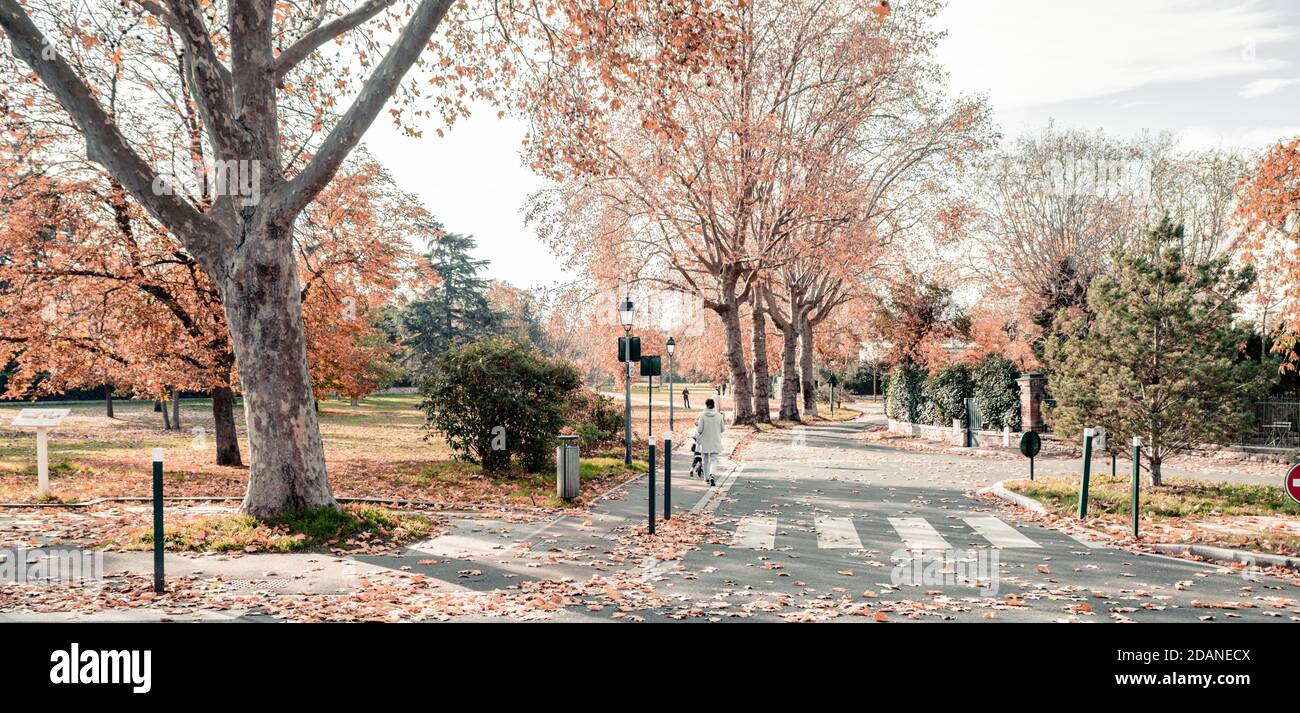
(1277, 425)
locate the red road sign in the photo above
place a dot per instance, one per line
(1292, 483)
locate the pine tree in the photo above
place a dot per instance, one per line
(453, 312)
(1161, 355)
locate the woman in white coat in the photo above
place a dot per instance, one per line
(708, 438)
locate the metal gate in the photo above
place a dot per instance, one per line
(974, 422)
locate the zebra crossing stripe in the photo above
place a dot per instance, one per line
(998, 533)
(837, 533)
(917, 534)
(756, 533)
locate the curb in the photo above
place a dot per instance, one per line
(1000, 491)
(1227, 555)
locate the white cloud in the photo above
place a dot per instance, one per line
(1197, 138)
(1029, 52)
(1264, 87)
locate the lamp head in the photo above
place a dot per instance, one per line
(625, 313)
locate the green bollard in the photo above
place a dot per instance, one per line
(1137, 460)
(1088, 434)
(158, 520)
(668, 475)
(651, 463)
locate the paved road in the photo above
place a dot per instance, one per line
(817, 524)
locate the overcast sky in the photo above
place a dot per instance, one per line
(1215, 72)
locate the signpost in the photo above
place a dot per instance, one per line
(42, 420)
(1292, 483)
(1030, 444)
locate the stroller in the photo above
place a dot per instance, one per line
(697, 462)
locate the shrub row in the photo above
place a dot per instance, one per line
(938, 398)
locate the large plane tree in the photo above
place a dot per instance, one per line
(275, 95)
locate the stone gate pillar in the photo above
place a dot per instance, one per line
(1032, 388)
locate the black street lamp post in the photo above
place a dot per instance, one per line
(625, 318)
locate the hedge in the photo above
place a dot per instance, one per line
(997, 395)
(903, 398)
(945, 394)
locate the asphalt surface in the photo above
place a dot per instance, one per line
(822, 518)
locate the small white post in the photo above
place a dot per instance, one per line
(1006, 436)
(43, 461)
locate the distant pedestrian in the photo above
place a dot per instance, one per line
(686, 397)
(708, 438)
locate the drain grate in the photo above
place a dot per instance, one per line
(254, 585)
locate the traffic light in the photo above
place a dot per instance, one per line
(623, 349)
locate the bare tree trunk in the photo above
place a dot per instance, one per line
(790, 375)
(263, 307)
(741, 396)
(807, 379)
(176, 408)
(729, 311)
(108, 400)
(789, 350)
(223, 415)
(762, 379)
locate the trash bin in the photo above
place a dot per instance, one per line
(566, 468)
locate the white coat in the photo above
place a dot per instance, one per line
(708, 432)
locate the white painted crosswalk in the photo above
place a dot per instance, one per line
(756, 533)
(913, 533)
(998, 533)
(837, 533)
(918, 534)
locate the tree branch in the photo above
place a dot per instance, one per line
(346, 134)
(319, 35)
(211, 79)
(105, 144)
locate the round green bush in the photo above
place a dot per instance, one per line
(497, 399)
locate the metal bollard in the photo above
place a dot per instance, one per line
(651, 470)
(158, 520)
(567, 468)
(668, 477)
(1137, 460)
(1088, 435)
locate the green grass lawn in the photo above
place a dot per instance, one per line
(305, 530)
(1178, 498)
(377, 449)
(1258, 518)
